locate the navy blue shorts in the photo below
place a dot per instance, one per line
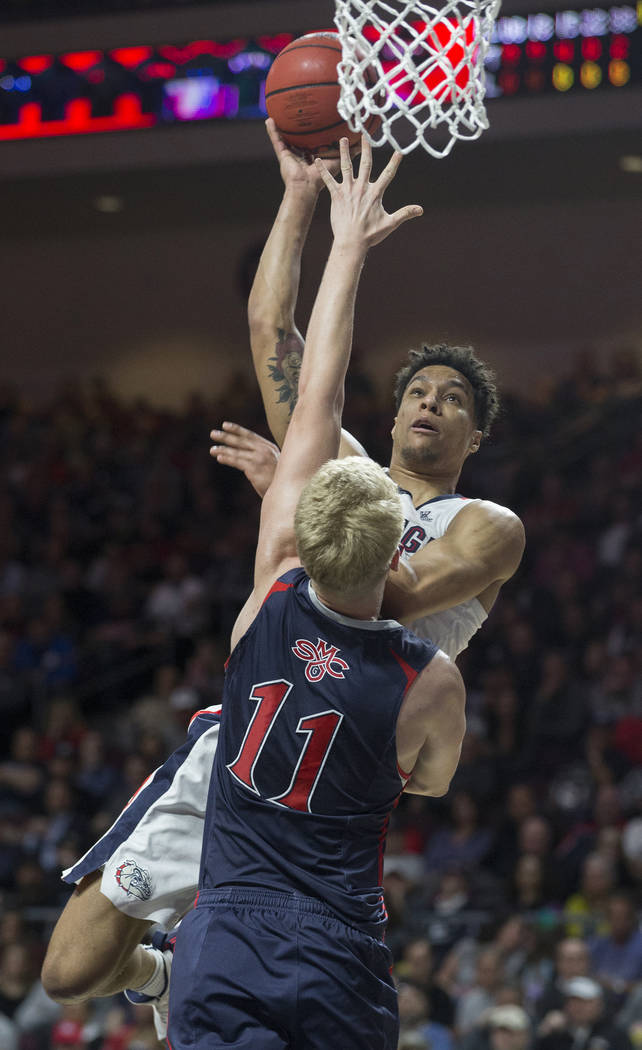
(260, 970)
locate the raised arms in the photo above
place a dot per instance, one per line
(359, 221)
(276, 342)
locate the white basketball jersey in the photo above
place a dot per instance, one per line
(453, 628)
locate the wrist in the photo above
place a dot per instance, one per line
(301, 195)
(354, 250)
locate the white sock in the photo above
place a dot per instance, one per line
(158, 981)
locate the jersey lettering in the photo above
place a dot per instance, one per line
(319, 658)
(321, 729)
(412, 540)
(271, 697)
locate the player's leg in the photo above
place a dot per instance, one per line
(143, 871)
(346, 995)
(95, 948)
(235, 974)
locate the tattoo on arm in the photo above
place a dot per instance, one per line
(285, 367)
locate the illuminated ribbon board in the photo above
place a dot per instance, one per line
(87, 92)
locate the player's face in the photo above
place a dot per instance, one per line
(435, 425)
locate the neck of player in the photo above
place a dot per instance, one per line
(423, 487)
(365, 605)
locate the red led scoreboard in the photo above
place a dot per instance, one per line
(585, 50)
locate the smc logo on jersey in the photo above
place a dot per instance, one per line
(319, 658)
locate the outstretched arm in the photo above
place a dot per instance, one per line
(359, 221)
(276, 342)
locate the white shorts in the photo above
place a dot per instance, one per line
(151, 855)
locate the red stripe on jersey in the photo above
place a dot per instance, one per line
(136, 793)
(409, 671)
(404, 776)
(382, 846)
(277, 586)
(206, 711)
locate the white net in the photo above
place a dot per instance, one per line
(413, 75)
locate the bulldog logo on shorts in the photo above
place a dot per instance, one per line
(133, 880)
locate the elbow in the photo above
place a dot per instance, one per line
(258, 319)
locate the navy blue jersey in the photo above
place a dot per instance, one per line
(306, 772)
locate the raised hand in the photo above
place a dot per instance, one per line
(297, 169)
(243, 449)
(357, 213)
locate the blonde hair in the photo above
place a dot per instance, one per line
(348, 523)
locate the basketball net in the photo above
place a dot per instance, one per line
(418, 69)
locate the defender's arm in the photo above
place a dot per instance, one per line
(431, 727)
(483, 545)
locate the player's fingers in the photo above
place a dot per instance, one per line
(241, 432)
(231, 457)
(229, 438)
(365, 164)
(273, 133)
(232, 441)
(325, 174)
(346, 160)
(389, 172)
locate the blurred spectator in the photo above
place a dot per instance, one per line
(22, 776)
(416, 965)
(617, 956)
(481, 996)
(585, 911)
(177, 603)
(464, 843)
(415, 1017)
(506, 1027)
(581, 1023)
(572, 959)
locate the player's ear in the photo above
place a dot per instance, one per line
(394, 564)
(394, 424)
(475, 442)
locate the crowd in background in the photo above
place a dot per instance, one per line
(125, 554)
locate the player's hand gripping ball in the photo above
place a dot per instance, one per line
(301, 96)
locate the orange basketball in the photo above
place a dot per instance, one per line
(302, 92)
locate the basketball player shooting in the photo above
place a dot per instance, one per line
(456, 552)
(328, 711)
(145, 870)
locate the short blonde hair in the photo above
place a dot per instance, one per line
(348, 524)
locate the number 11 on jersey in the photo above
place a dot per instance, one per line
(321, 729)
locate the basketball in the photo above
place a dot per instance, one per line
(302, 92)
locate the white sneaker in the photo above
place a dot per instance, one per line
(158, 1003)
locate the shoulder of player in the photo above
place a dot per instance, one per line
(496, 522)
(438, 687)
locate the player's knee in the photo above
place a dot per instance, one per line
(65, 978)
